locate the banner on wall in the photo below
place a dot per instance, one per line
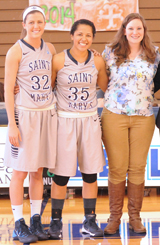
(106, 14)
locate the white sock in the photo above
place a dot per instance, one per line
(35, 206)
(17, 211)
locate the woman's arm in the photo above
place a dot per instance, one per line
(156, 79)
(53, 52)
(51, 48)
(57, 64)
(13, 58)
(102, 80)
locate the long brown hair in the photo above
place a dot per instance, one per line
(120, 44)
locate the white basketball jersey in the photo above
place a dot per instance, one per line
(34, 77)
(76, 85)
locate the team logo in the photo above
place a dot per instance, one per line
(34, 8)
(25, 53)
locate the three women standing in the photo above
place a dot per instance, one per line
(127, 120)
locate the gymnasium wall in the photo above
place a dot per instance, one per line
(11, 18)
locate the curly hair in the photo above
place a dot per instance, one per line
(120, 44)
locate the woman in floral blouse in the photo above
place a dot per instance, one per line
(127, 118)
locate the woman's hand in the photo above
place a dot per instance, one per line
(16, 89)
(95, 52)
(14, 135)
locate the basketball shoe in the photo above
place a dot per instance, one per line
(90, 226)
(23, 233)
(55, 229)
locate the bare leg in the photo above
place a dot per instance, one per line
(58, 192)
(16, 187)
(89, 190)
(36, 185)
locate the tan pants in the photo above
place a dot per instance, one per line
(127, 140)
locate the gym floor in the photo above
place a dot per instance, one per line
(73, 216)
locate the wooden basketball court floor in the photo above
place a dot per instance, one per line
(73, 216)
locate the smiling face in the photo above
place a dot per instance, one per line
(82, 37)
(134, 31)
(34, 25)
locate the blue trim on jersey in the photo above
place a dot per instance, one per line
(30, 46)
(75, 61)
(89, 57)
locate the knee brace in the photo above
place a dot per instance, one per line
(60, 180)
(89, 178)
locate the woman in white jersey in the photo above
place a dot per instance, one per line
(79, 133)
(32, 127)
(127, 119)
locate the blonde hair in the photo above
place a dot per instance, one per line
(120, 44)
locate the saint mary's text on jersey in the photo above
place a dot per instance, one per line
(39, 65)
(80, 77)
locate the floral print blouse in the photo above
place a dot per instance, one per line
(130, 89)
